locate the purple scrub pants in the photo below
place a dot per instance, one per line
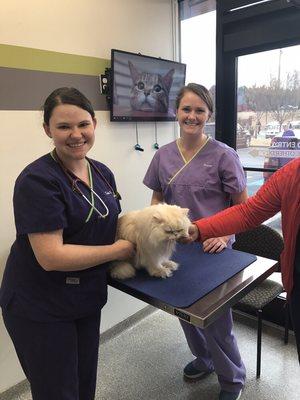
(59, 359)
(215, 348)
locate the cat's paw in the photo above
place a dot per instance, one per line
(160, 272)
(122, 270)
(171, 265)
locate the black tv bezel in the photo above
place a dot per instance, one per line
(137, 119)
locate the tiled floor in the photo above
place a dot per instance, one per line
(145, 362)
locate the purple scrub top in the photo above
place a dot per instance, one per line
(44, 201)
(204, 185)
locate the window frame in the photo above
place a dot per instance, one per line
(272, 26)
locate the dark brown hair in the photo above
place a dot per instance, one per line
(200, 91)
(66, 95)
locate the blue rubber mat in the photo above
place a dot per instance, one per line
(198, 274)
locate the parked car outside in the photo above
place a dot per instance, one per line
(282, 150)
(270, 130)
(210, 129)
(243, 136)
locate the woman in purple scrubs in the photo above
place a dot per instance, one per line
(66, 209)
(205, 176)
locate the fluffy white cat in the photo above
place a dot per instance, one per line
(154, 230)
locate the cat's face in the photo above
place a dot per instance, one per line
(150, 92)
(171, 222)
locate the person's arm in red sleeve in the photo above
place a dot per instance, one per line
(265, 204)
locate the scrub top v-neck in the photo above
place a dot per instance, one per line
(204, 184)
(44, 201)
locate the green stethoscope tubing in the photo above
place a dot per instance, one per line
(74, 179)
(92, 204)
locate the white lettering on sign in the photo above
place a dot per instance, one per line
(284, 153)
(287, 145)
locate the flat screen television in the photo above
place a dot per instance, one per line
(144, 88)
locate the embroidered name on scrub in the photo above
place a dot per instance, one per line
(72, 280)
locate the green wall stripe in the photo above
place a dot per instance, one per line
(50, 61)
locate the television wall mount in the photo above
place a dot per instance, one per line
(105, 84)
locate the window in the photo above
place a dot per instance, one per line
(256, 89)
(198, 48)
(268, 98)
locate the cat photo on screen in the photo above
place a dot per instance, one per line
(150, 91)
(154, 230)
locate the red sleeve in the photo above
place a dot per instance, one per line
(263, 205)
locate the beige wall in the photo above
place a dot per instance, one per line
(92, 28)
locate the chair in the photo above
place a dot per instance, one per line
(265, 242)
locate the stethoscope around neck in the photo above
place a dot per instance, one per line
(76, 189)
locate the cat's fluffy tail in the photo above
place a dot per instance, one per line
(121, 270)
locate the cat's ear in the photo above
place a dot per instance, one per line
(185, 211)
(133, 72)
(168, 79)
(157, 217)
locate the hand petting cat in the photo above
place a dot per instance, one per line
(211, 245)
(193, 233)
